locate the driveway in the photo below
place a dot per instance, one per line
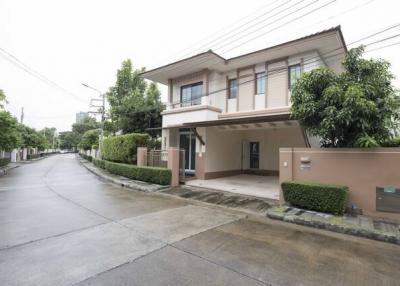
(61, 225)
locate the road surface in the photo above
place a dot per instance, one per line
(61, 225)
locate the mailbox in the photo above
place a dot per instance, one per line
(388, 199)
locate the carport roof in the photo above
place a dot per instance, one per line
(240, 120)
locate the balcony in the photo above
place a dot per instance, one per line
(195, 110)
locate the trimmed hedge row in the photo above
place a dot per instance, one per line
(4, 161)
(161, 176)
(315, 196)
(33, 156)
(122, 148)
(86, 157)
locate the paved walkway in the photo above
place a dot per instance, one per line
(61, 225)
(251, 185)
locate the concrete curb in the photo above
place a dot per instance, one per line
(343, 228)
(5, 170)
(121, 181)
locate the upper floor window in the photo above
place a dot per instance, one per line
(191, 94)
(260, 82)
(232, 90)
(294, 74)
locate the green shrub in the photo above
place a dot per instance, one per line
(122, 148)
(34, 156)
(393, 142)
(99, 163)
(314, 196)
(4, 161)
(161, 176)
(86, 157)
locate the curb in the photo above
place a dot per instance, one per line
(342, 228)
(123, 182)
(5, 170)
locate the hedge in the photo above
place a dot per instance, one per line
(122, 148)
(4, 161)
(86, 157)
(315, 196)
(33, 156)
(161, 176)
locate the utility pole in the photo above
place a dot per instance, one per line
(22, 115)
(101, 110)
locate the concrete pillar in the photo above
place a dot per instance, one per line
(24, 153)
(285, 168)
(14, 154)
(141, 156)
(173, 165)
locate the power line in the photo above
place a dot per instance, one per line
(278, 71)
(32, 72)
(199, 62)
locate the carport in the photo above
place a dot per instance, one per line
(245, 184)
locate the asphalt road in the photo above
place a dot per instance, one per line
(61, 225)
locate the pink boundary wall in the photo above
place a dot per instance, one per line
(362, 170)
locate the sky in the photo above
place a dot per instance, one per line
(70, 42)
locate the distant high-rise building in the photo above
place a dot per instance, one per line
(80, 116)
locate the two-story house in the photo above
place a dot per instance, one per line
(232, 115)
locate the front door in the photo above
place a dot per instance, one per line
(187, 141)
(254, 155)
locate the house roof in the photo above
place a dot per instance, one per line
(323, 42)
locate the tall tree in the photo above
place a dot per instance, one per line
(135, 106)
(32, 138)
(357, 108)
(68, 140)
(86, 124)
(9, 134)
(3, 99)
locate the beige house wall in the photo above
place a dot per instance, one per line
(229, 150)
(277, 84)
(362, 170)
(246, 89)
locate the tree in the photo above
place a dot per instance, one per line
(31, 137)
(9, 135)
(86, 124)
(357, 108)
(89, 139)
(68, 140)
(135, 106)
(49, 133)
(3, 99)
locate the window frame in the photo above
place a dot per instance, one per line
(230, 88)
(192, 101)
(289, 74)
(263, 78)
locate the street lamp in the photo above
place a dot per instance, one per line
(103, 112)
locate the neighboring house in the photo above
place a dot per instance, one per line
(232, 115)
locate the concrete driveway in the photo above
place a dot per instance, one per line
(61, 225)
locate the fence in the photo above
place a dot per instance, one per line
(362, 170)
(157, 158)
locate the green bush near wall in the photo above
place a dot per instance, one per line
(123, 148)
(4, 161)
(161, 176)
(315, 196)
(86, 157)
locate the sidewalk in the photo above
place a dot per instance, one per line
(4, 170)
(363, 226)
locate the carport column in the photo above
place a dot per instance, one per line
(285, 168)
(141, 156)
(173, 165)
